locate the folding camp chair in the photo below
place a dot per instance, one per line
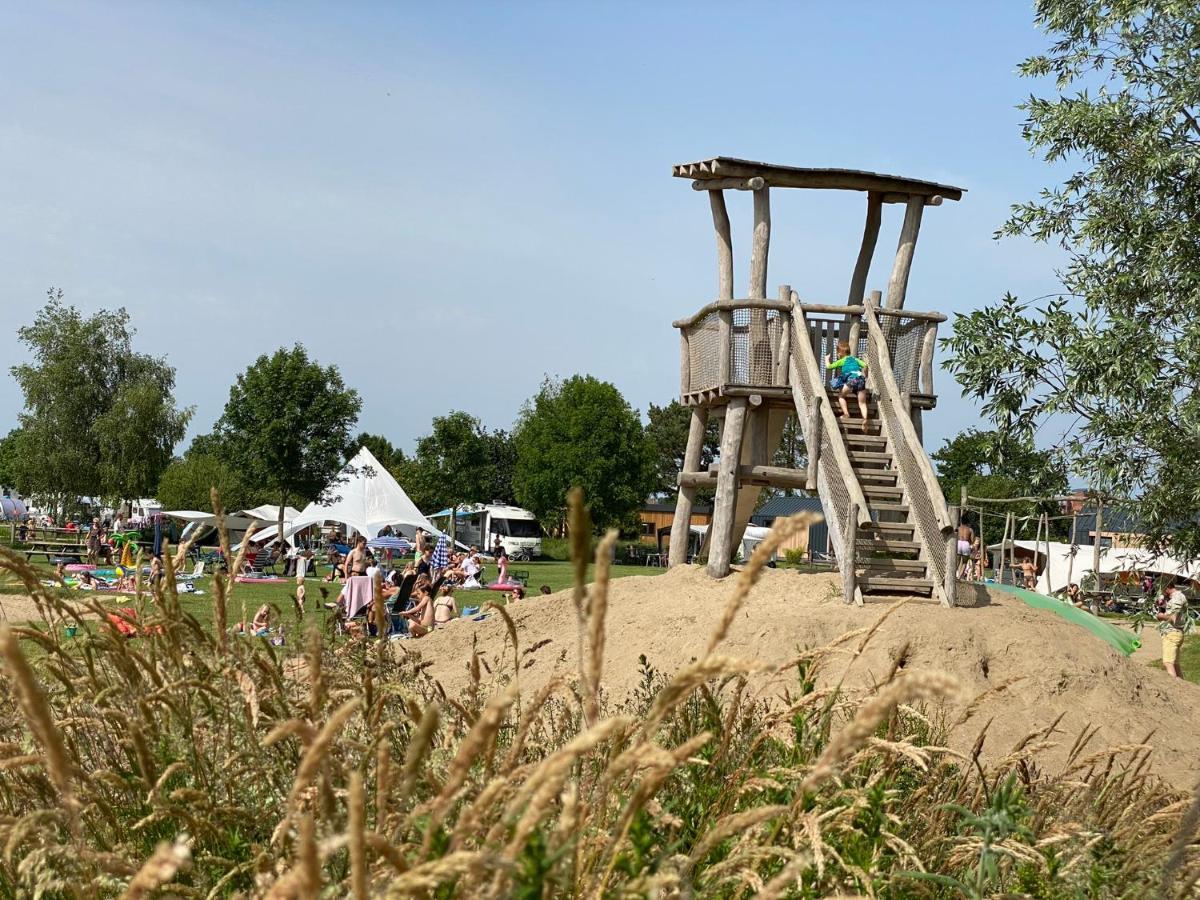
(396, 622)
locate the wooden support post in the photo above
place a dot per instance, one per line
(760, 365)
(685, 363)
(866, 250)
(1012, 544)
(1074, 546)
(720, 551)
(1037, 546)
(716, 200)
(850, 554)
(1096, 543)
(985, 557)
(813, 433)
(902, 266)
(680, 526)
(783, 357)
(928, 346)
(950, 586)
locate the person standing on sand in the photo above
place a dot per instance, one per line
(1029, 574)
(1174, 619)
(966, 537)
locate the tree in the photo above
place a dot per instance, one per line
(286, 426)
(452, 464)
(381, 448)
(9, 477)
(995, 465)
(666, 435)
(581, 432)
(99, 419)
(186, 484)
(1119, 357)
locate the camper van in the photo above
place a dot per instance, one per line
(480, 524)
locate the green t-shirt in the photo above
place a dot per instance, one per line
(851, 366)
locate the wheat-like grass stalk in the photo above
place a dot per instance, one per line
(160, 869)
(40, 719)
(383, 782)
(915, 685)
(597, 611)
(313, 756)
(427, 876)
(418, 747)
(784, 529)
(356, 828)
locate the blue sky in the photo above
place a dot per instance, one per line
(450, 201)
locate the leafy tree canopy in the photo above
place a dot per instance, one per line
(1118, 361)
(8, 460)
(995, 465)
(455, 464)
(286, 426)
(581, 432)
(186, 484)
(99, 419)
(666, 436)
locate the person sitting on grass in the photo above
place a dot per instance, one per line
(850, 376)
(420, 615)
(444, 608)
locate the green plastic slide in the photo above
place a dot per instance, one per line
(1123, 640)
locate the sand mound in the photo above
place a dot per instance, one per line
(1036, 666)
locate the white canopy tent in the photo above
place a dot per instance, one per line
(1055, 562)
(368, 500)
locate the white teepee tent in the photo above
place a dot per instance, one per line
(368, 500)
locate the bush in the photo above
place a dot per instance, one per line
(795, 557)
(220, 765)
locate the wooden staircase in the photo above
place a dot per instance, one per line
(888, 557)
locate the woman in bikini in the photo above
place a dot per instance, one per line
(420, 617)
(444, 608)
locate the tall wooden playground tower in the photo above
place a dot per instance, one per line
(752, 362)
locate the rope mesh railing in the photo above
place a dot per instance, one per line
(920, 504)
(704, 353)
(835, 499)
(903, 335)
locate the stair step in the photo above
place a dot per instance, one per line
(897, 566)
(864, 440)
(881, 506)
(875, 476)
(891, 527)
(870, 456)
(903, 585)
(882, 491)
(893, 545)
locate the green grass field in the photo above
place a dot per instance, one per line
(556, 575)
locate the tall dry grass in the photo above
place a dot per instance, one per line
(200, 764)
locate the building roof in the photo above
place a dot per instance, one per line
(832, 179)
(787, 506)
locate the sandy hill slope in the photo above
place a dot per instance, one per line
(1021, 668)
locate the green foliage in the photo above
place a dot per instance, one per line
(99, 419)
(381, 448)
(8, 459)
(286, 426)
(666, 434)
(581, 432)
(186, 484)
(996, 465)
(1118, 361)
(455, 464)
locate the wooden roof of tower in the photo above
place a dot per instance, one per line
(734, 172)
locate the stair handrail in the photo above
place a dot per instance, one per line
(803, 349)
(926, 497)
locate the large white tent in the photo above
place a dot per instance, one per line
(367, 499)
(1054, 559)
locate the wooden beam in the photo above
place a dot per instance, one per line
(1096, 543)
(724, 346)
(1074, 541)
(950, 588)
(928, 347)
(902, 266)
(687, 493)
(720, 552)
(731, 304)
(720, 216)
(832, 179)
(685, 364)
(729, 184)
(857, 310)
(813, 442)
(850, 553)
(896, 197)
(866, 250)
(785, 338)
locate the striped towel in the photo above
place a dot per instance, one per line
(441, 554)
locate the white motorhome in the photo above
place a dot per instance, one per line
(480, 524)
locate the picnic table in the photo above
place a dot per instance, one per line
(52, 549)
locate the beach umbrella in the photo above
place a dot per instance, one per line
(441, 553)
(388, 542)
